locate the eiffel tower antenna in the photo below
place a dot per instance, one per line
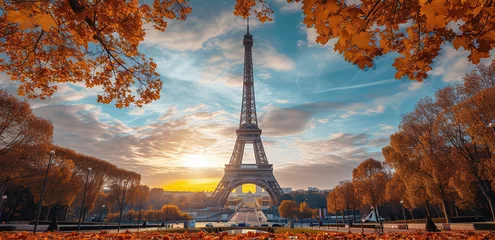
(237, 173)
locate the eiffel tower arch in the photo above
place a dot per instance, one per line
(237, 173)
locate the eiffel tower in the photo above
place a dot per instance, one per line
(237, 173)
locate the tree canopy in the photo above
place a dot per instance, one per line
(95, 43)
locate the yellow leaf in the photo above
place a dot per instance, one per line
(46, 21)
(23, 19)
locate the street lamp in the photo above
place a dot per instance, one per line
(101, 213)
(122, 205)
(84, 197)
(404, 213)
(52, 152)
(492, 126)
(4, 197)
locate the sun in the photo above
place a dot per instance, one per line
(196, 161)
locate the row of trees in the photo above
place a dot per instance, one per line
(442, 155)
(292, 210)
(443, 151)
(166, 213)
(25, 142)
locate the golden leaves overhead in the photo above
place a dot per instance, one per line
(96, 43)
(48, 43)
(414, 29)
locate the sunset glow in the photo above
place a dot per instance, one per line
(192, 185)
(196, 161)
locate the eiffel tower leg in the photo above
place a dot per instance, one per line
(238, 152)
(259, 151)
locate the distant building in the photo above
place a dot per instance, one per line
(325, 190)
(313, 189)
(287, 190)
(238, 190)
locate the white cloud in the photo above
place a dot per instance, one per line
(171, 111)
(322, 120)
(453, 64)
(301, 43)
(214, 59)
(370, 111)
(282, 101)
(415, 86)
(386, 127)
(341, 147)
(190, 35)
(364, 85)
(264, 75)
(136, 111)
(196, 108)
(286, 7)
(264, 55)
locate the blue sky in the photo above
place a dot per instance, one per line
(320, 115)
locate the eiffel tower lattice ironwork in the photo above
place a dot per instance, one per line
(237, 173)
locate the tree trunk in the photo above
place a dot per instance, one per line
(139, 218)
(378, 218)
(484, 186)
(353, 215)
(66, 212)
(491, 203)
(343, 217)
(427, 206)
(412, 215)
(446, 211)
(130, 214)
(48, 212)
(120, 217)
(438, 212)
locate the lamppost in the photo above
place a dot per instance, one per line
(52, 152)
(84, 197)
(404, 212)
(101, 213)
(4, 197)
(492, 126)
(122, 205)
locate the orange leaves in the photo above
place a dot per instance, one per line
(358, 27)
(320, 235)
(42, 54)
(435, 13)
(245, 8)
(31, 16)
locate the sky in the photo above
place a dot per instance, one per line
(320, 115)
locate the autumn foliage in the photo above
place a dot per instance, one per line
(25, 142)
(443, 152)
(442, 155)
(250, 235)
(414, 30)
(92, 44)
(95, 44)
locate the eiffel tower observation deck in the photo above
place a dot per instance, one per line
(237, 173)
